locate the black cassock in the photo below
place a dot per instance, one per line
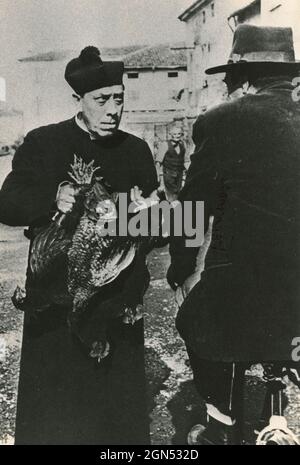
(64, 397)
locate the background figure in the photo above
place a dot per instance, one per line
(171, 163)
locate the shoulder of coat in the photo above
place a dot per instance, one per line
(132, 138)
(225, 108)
(135, 146)
(228, 111)
(51, 130)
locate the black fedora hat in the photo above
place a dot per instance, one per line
(257, 45)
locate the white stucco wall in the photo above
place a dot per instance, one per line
(45, 97)
(153, 90)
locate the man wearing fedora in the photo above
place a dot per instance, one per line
(63, 397)
(245, 308)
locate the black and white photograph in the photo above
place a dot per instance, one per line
(149, 224)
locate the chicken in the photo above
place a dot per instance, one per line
(72, 260)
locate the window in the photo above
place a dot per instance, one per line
(204, 17)
(172, 74)
(212, 9)
(133, 75)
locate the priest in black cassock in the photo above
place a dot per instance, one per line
(63, 397)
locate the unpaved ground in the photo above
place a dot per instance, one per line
(177, 406)
(13, 250)
(173, 401)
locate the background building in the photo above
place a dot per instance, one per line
(209, 30)
(155, 81)
(163, 82)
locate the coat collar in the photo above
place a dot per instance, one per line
(275, 85)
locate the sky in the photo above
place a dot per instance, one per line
(30, 26)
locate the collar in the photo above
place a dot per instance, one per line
(277, 84)
(80, 123)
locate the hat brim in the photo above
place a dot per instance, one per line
(230, 66)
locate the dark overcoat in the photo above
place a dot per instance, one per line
(63, 397)
(246, 169)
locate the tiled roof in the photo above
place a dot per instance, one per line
(157, 56)
(134, 56)
(58, 55)
(52, 55)
(119, 52)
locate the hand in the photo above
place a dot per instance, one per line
(136, 196)
(183, 291)
(66, 197)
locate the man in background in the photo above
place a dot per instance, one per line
(170, 163)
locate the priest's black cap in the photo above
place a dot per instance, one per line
(88, 72)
